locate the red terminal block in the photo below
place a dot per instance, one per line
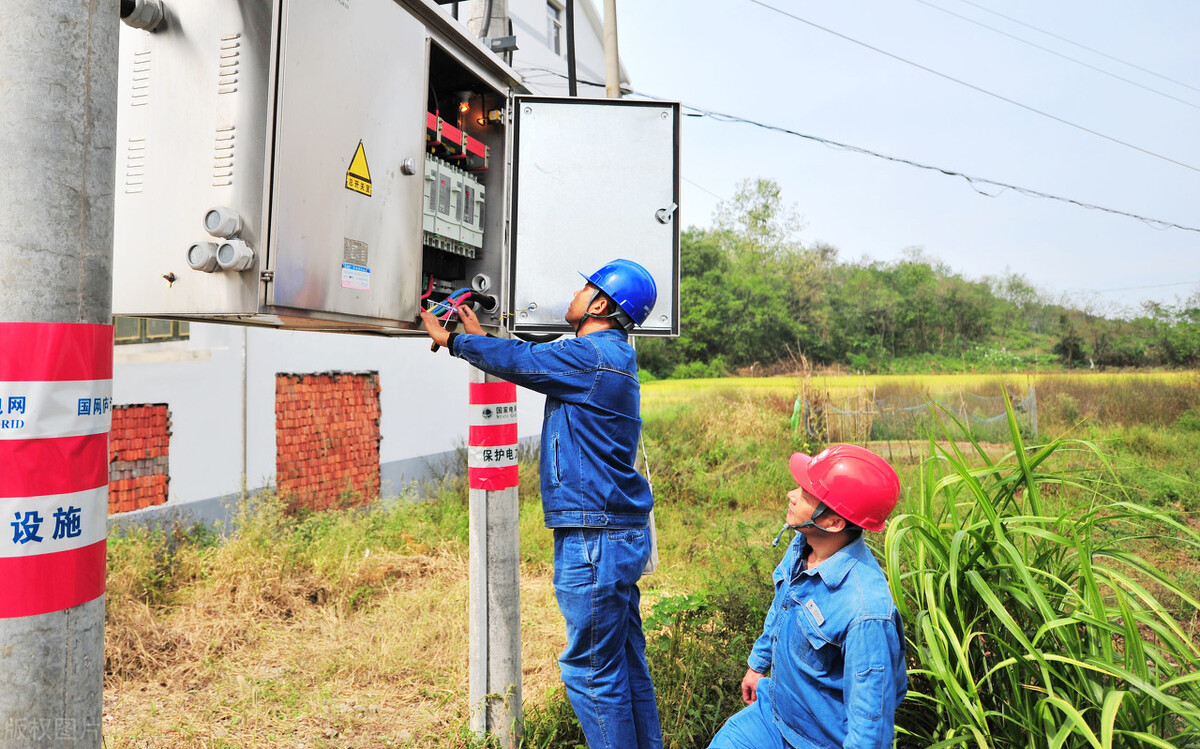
(451, 140)
(433, 129)
(453, 144)
(441, 137)
(475, 156)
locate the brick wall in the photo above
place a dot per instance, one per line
(327, 439)
(138, 450)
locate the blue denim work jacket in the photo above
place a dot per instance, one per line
(834, 644)
(591, 426)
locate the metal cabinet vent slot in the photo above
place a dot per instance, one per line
(140, 80)
(223, 149)
(227, 76)
(135, 164)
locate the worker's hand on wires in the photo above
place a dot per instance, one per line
(434, 328)
(470, 322)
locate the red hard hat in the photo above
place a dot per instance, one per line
(852, 481)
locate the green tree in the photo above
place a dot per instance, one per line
(753, 293)
(1069, 347)
(1176, 332)
(750, 291)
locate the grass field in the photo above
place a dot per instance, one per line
(348, 629)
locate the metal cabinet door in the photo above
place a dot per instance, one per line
(345, 219)
(593, 180)
(193, 110)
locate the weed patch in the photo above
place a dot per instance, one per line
(348, 628)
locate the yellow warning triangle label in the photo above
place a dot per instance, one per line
(358, 176)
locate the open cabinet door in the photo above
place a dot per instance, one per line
(593, 180)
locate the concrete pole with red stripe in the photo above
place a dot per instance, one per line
(494, 605)
(58, 85)
(494, 597)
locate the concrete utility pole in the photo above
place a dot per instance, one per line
(488, 18)
(494, 597)
(612, 60)
(494, 606)
(58, 85)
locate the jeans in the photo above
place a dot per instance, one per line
(604, 665)
(753, 727)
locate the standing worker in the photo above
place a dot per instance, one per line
(593, 498)
(833, 640)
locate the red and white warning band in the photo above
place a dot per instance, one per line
(492, 442)
(55, 415)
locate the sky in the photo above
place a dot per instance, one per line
(740, 58)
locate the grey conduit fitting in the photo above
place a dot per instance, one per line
(222, 222)
(202, 256)
(234, 255)
(143, 14)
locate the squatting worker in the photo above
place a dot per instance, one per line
(597, 504)
(833, 641)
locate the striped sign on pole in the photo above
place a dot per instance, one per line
(55, 415)
(492, 443)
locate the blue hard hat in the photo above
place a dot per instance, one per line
(629, 285)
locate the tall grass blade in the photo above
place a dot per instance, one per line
(1037, 623)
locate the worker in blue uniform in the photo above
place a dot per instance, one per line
(832, 642)
(593, 498)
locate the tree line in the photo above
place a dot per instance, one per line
(755, 298)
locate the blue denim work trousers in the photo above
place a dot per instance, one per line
(604, 665)
(753, 727)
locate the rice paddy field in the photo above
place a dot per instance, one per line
(348, 629)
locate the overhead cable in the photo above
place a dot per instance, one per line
(973, 87)
(974, 182)
(1081, 46)
(1151, 286)
(1056, 53)
(702, 188)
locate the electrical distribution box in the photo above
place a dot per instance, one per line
(337, 165)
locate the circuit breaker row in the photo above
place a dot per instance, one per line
(453, 214)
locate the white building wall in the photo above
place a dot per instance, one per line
(218, 436)
(200, 381)
(219, 386)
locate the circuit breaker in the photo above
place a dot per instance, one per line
(453, 218)
(339, 165)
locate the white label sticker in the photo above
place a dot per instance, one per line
(356, 277)
(492, 457)
(493, 413)
(811, 605)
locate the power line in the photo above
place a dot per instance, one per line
(1081, 46)
(973, 87)
(1139, 288)
(1058, 54)
(702, 188)
(974, 182)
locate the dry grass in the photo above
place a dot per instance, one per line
(359, 638)
(257, 652)
(1065, 400)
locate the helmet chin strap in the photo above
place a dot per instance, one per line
(820, 510)
(782, 531)
(615, 315)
